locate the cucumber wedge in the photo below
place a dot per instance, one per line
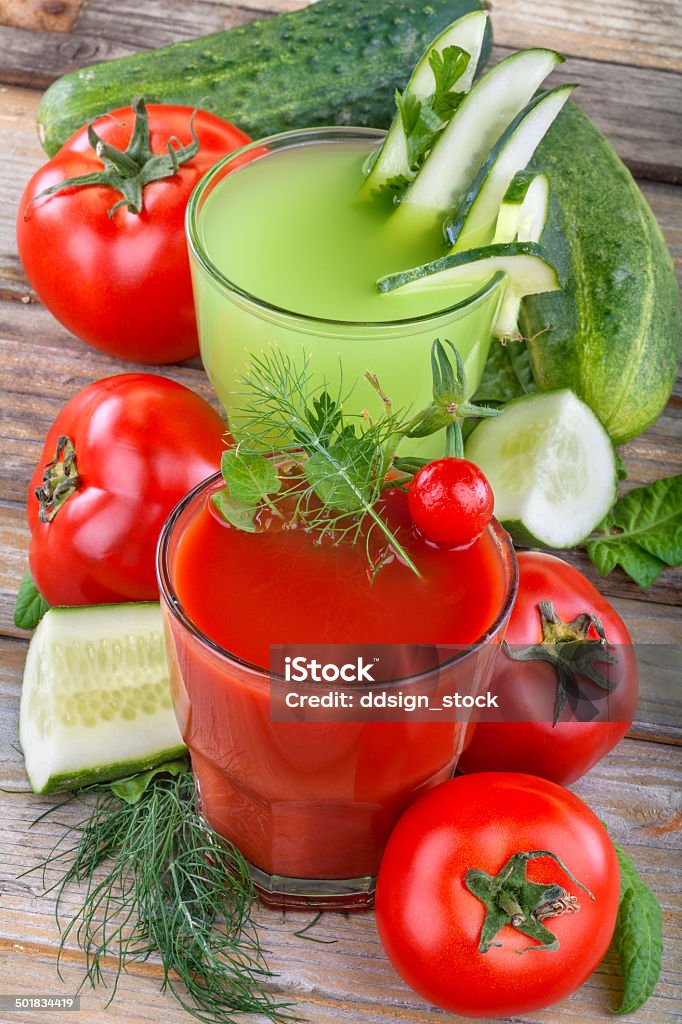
(551, 466)
(525, 264)
(475, 220)
(524, 209)
(466, 33)
(522, 217)
(481, 118)
(96, 702)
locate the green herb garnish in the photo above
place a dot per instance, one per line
(30, 604)
(642, 532)
(638, 937)
(423, 121)
(157, 879)
(301, 457)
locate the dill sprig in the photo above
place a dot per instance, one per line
(301, 456)
(342, 460)
(157, 879)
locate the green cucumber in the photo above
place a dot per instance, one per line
(522, 217)
(613, 334)
(95, 701)
(525, 264)
(551, 465)
(475, 220)
(467, 33)
(524, 209)
(335, 62)
(481, 118)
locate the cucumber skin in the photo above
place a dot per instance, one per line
(334, 62)
(68, 781)
(613, 334)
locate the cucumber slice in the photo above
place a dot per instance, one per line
(551, 466)
(96, 702)
(522, 217)
(494, 101)
(467, 33)
(524, 209)
(525, 264)
(474, 222)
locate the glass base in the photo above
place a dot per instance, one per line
(319, 893)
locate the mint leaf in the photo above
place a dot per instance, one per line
(132, 788)
(507, 373)
(250, 477)
(642, 533)
(239, 513)
(30, 604)
(638, 936)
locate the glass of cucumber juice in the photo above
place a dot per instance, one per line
(286, 248)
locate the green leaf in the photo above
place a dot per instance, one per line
(507, 373)
(30, 604)
(343, 476)
(642, 533)
(238, 513)
(133, 788)
(638, 937)
(448, 67)
(250, 477)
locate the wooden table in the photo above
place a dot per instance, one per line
(626, 55)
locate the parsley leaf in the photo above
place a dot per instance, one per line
(238, 513)
(642, 533)
(30, 605)
(638, 936)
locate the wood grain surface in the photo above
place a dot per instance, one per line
(627, 56)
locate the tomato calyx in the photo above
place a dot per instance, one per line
(128, 171)
(60, 480)
(567, 647)
(510, 898)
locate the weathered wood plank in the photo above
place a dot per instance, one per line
(634, 790)
(619, 31)
(40, 15)
(637, 108)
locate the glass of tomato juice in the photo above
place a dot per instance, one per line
(285, 250)
(310, 804)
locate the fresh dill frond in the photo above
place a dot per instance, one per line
(157, 879)
(342, 460)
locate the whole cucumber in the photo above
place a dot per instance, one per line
(335, 62)
(612, 334)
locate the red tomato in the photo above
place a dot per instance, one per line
(141, 442)
(432, 925)
(565, 751)
(122, 282)
(450, 501)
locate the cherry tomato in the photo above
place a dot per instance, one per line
(121, 282)
(444, 909)
(118, 458)
(450, 501)
(565, 751)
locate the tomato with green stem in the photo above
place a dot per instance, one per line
(100, 228)
(568, 654)
(497, 894)
(118, 458)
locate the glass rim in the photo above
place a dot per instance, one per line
(281, 141)
(172, 602)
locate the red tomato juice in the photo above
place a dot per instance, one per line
(313, 800)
